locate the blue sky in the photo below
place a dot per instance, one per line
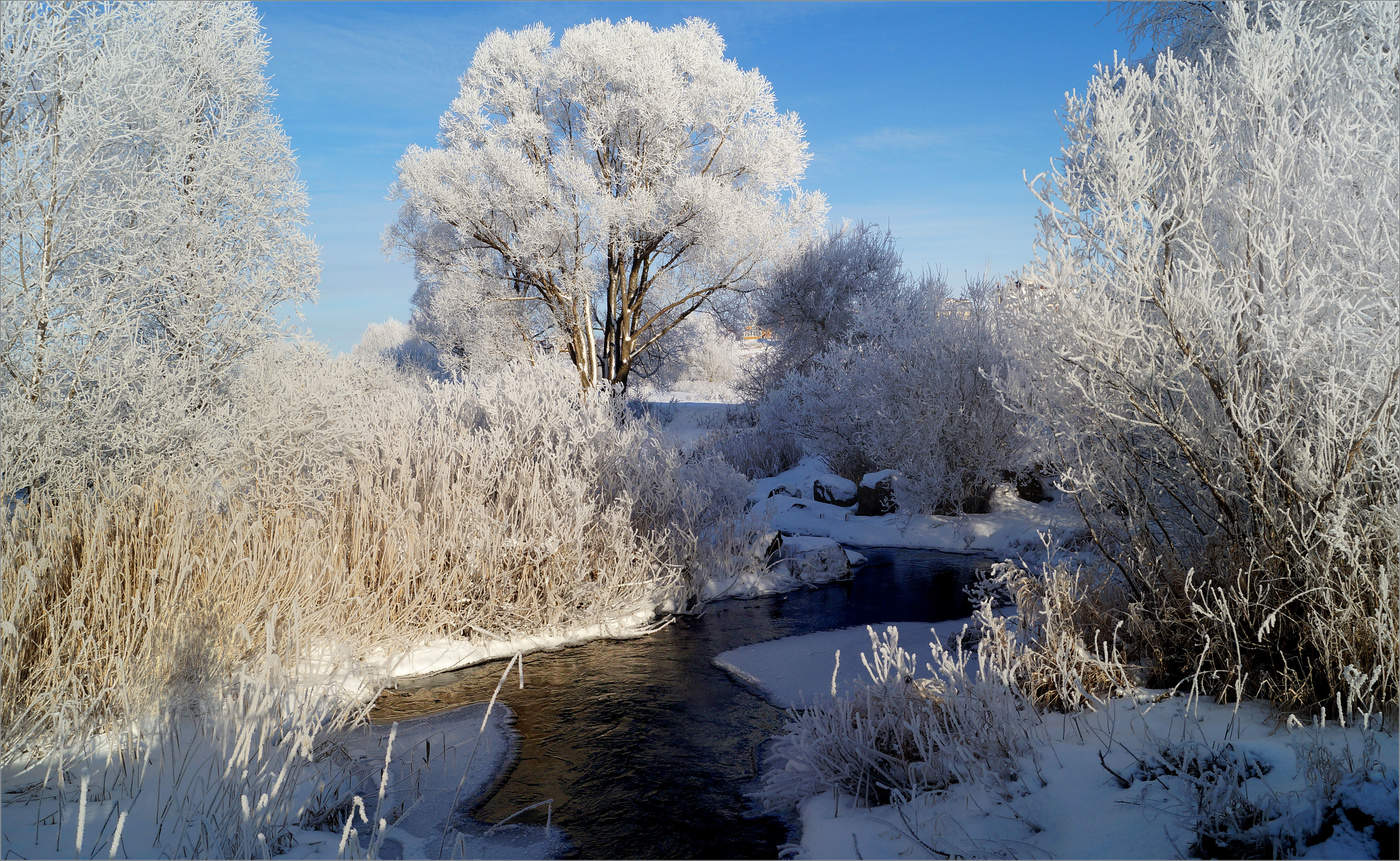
(920, 116)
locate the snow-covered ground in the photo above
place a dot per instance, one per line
(687, 415)
(1069, 799)
(362, 677)
(1011, 528)
(173, 794)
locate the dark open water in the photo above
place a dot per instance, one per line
(645, 746)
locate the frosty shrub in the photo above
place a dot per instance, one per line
(1062, 651)
(152, 229)
(907, 731)
(910, 388)
(754, 449)
(813, 302)
(398, 345)
(973, 712)
(1215, 326)
(469, 328)
(699, 350)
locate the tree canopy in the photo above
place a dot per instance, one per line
(613, 184)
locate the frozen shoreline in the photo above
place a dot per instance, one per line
(1066, 799)
(1010, 529)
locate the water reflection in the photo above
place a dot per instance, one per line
(647, 748)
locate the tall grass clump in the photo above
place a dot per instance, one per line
(378, 515)
(966, 715)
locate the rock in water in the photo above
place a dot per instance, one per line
(814, 560)
(876, 494)
(834, 490)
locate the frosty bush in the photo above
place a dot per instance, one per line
(469, 328)
(398, 346)
(699, 350)
(753, 449)
(908, 732)
(910, 388)
(1062, 652)
(813, 302)
(1216, 299)
(152, 228)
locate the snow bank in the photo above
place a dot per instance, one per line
(171, 796)
(1068, 799)
(797, 672)
(1069, 805)
(1012, 526)
(448, 760)
(362, 678)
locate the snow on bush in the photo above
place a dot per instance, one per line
(910, 388)
(398, 345)
(1213, 348)
(813, 302)
(698, 350)
(969, 714)
(907, 732)
(153, 229)
(1062, 652)
(754, 449)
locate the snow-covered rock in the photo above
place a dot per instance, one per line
(786, 490)
(1011, 528)
(876, 494)
(856, 559)
(1033, 487)
(834, 490)
(814, 560)
(764, 544)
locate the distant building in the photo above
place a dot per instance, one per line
(754, 332)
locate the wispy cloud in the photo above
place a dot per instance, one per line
(891, 138)
(903, 141)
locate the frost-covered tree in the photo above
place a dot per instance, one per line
(910, 386)
(607, 186)
(812, 303)
(1218, 296)
(152, 224)
(1185, 26)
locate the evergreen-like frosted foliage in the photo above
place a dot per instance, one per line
(1219, 293)
(614, 183)
(152, 225)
